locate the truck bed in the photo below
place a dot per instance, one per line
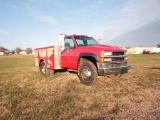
(50, 55)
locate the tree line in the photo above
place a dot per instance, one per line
(17, 50)
(28, 50)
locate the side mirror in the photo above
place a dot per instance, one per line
(62, 47)
(99, 40)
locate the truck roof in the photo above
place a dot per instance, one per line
(77, 35)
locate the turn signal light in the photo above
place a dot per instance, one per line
(101, 55)
(101, 60)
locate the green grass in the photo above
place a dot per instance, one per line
(25, 94)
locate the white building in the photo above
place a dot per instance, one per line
(139, 50)
(156, 49)
(1, 53)
(22, 53)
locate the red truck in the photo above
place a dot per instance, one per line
(84, 54)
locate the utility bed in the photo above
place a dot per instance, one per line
(50, 55)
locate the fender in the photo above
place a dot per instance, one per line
(93, 55)
(41, 61)
(88, 55)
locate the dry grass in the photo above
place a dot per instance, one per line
(25, 94)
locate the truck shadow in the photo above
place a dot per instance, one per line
(155, 68)
(59, 71)
(63, 71)
(73, 72)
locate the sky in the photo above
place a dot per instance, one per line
(38, 23)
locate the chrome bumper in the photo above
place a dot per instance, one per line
(112, 69)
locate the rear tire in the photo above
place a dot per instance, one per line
(87, 72)
(45, 71)
(42, 68)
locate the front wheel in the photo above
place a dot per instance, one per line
(88, 72)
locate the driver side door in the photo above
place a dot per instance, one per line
(67, 52)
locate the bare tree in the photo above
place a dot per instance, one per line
(17, 50)
(158, 45)
(3, 49)
(28, 50)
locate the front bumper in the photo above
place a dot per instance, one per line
(106, 69)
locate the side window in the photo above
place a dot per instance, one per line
(68, 42)
(90, 42)
(80, 42)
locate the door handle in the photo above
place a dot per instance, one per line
(67, 48)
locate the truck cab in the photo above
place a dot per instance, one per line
(91, 59)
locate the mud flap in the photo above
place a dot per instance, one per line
(124, 70)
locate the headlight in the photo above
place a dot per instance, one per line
(103, 54)
(107, 59)
(107, 53)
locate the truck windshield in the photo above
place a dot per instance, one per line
(85, 41)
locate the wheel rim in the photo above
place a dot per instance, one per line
(43, 70)
(86, 74)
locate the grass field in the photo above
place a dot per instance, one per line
(25, 94)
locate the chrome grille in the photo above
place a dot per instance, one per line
(117, 53)
(118, 59)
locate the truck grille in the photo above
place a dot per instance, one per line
(118, 59)
(117, 53)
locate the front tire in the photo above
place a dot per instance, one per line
(87, 72)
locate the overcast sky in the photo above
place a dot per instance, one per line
(37, 23)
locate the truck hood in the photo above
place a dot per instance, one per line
(107, 47)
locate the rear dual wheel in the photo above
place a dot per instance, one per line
(45, 71)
